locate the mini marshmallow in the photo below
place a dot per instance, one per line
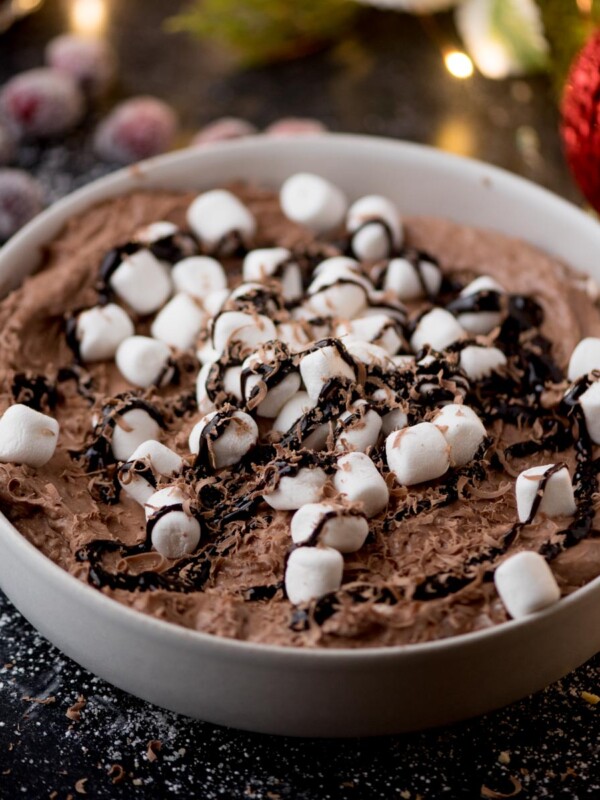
(313, 572)
(437, 328)
(264, 263)
(369, 354)
(179, 322)
(403, 362)
(339, 267)
(525, 584)
(277, 396)
(402, 279)
(144, 361)
(231, 385)
(207, 354)
(295, 491)
(214, 301)
(585, 358)
(484, 283)
(320, 366)
(293, 410)
(169, 496)
(357, 429)
(220, 220)
(381, 302)
(142, 282)
(463, 431)
(27, 436)
(252, 330)
(100, 330)
(394, 420)
(232, 381)
(337, 526)
(132, 428)
(175, 534)
(278, 393)
(371, 242)
(558, 498)
(338, 290)
(590, 405)
(480, 362)
(312, 201)
(358, 479)
(155, 231)
(294, 335)
(480, 322)
(417, 454)
(380, 329)
(199, 276)
(237, 434)
(161, 461)
(375, 223)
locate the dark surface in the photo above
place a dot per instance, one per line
(387, 81)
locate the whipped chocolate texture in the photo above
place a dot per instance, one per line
(317, 372)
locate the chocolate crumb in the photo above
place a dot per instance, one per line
(42, 701)
(116, 773)
(74, 711)
(590, 697)
(154, 747)
(491, 794)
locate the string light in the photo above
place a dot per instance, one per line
(458, 64)
(455, 134)
(88, 17)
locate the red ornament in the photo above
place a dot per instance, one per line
(581, 120)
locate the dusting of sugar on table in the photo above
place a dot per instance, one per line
(544, 746)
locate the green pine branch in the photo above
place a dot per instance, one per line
(263, 31)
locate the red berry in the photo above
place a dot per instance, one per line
(294, 126)
(222, 129)
(7, 145)
(136, 129)
(89, 61)
(42, 102)
(20, 200)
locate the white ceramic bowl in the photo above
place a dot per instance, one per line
(304, 692)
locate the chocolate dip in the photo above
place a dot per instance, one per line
(425, 571)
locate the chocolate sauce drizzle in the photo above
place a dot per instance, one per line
(416, 258)
(35, 391)
(98, 458)
(514, 396)
(564, 427)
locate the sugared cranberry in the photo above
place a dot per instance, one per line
(294, 126)
(7, 145)
(90, 61)
(20, 200)
(136, 129)
(223, 129)
(42, 102)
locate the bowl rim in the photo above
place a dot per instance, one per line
(235, 647)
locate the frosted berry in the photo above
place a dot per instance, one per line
(7, 145)
(293, 126)
(42, 102)
(20, 200)
(89, 61)
(136, 129)
(224, 129)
